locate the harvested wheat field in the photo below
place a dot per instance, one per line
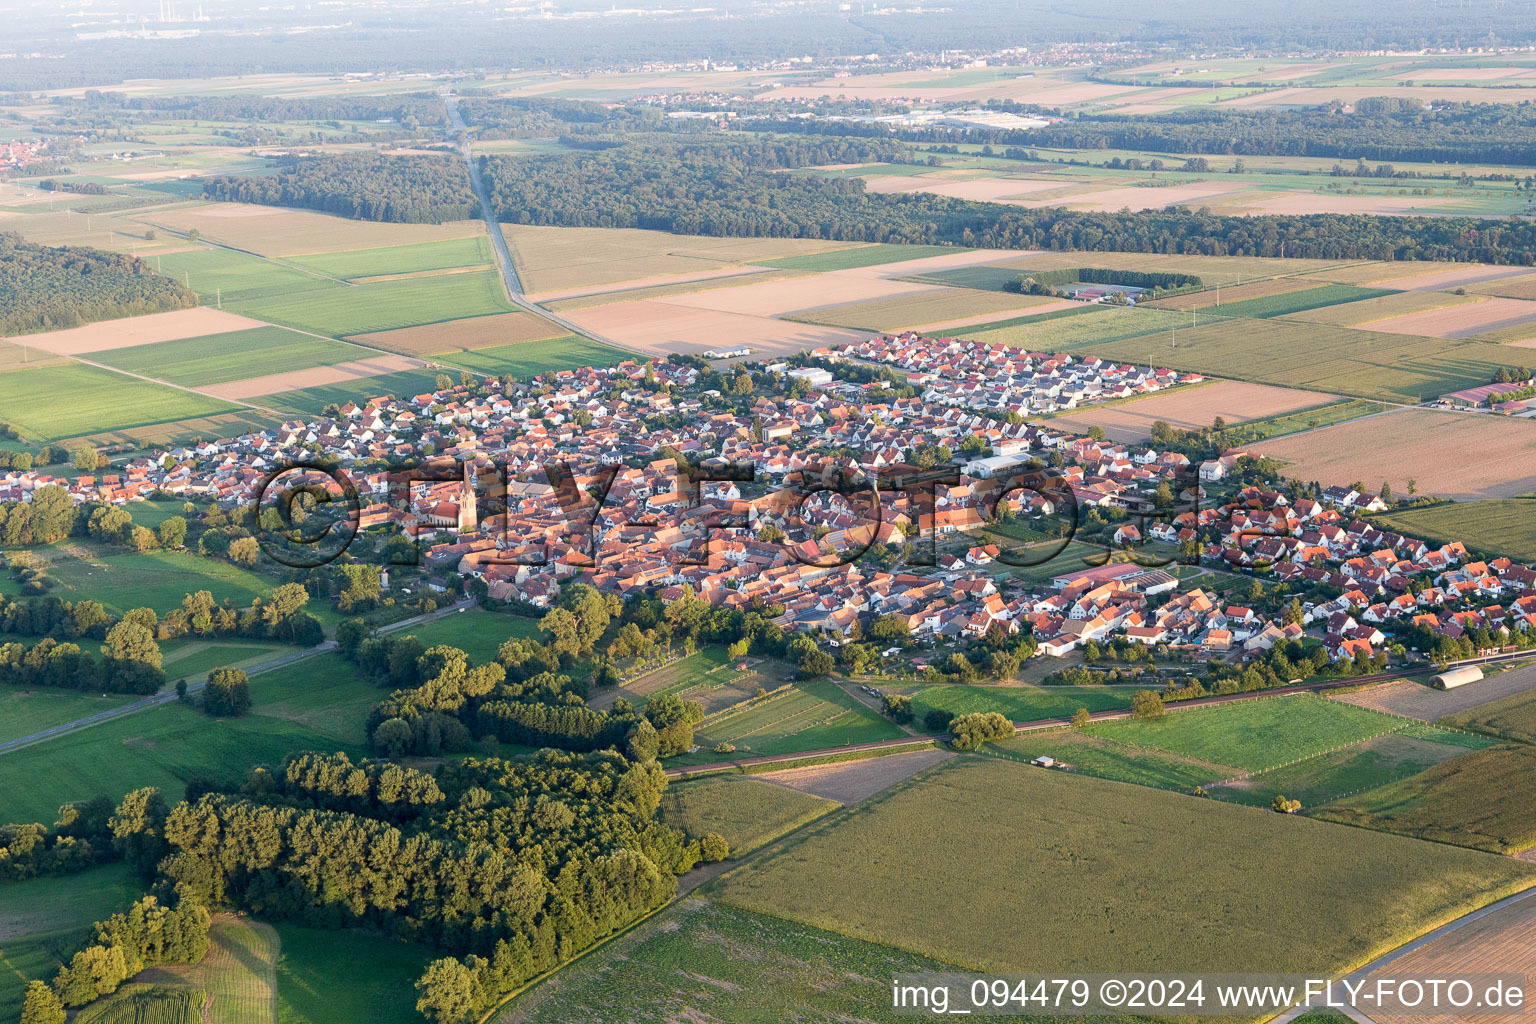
(657, 328)
(701, 277)
(278, 231)
(799, 294)
(986, 190)
(1237, 293)
(1137, 198)
(932, 308)
(1500, 942)
(1192, 408)
(140, 330)
(848, 782)
(1447, 278)
(1368, 312)
(1450, 454)
(464, 335)
(567, 259)
(294, 380)
(1462, 321)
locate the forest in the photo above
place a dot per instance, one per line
(45, 288)
(1379, 128)
(739, 188)
(368, 186)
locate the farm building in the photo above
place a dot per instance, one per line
(1458, 677)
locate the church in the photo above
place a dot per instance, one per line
(460, 516)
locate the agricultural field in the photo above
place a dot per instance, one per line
(707, 676)
(476, 632)
(1464, 321)
(1370, 312)
(1212, 297)
(1087, 844)
(809, 716)
(223, 276)
(654, 327)
(1496, 526)
(1512, 718)
(1016, 703)
(1108, 324)
(746, 811)
(311, 401)
(343, 977)
(931, 307)
(222, 358)
(468, 335)
(1482, 800)
(1254, 735)
(1191, 408)
(856, 257)
(98, 400)
(150, 329)
(701, 956)
(1520, 286)
(850, 782)
(239, 974)
(368, 308)
(138, 1003)
(1375, 762)
(1418, 700)
(1300, 301)
(450, 254)
(275, 231)
(1452, 455)
(1107, 758)
(529, 359)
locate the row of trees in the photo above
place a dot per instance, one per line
(45, 287)
(739, 188)
(129, 661)
(413, 189)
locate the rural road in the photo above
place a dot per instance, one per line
(504, 261)
(157, 699)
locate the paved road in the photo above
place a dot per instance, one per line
(157, 699)
(504, 261)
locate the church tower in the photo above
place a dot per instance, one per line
(469, 519)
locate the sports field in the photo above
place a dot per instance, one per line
(1030, 853)
(1254, 735)
(1482, 800)
(747, 812)
(221, 358)
(72, 399)
(365, 308)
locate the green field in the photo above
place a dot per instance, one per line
(160, 579)
(1075, 333)
(226, 276)
(311, 401)
(238, 355)
(192, 659)
(1309, 419)
(400, 259)
(1298, 301)
(238, 974)
(705, 961)
(1513, 718)
(323, 695)
(860, 256)
(991, 279)
(1255, 735)
(1108, 759)
(72, 399)
(476, 632)
(1498, 526)
(1017, 703)
(1482, 800)
(810, 716)
(530, 358)
(1375, 762)
(346, 977)
(747, 812)
(1095, 866)
(383, 306)
(26, 711)
(165, 747)
(138, 1003)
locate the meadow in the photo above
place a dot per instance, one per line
(23, 712)
(1482, 800)
(1018, 704)
(158, 580)
(221, 358)
(476, 632)
(1031, 853)
(447, 254)
(365, 308)
(1254, 735)
(529, 359)
(324, 696)
(344, 977)
(1496, 526)
(810, 716)
(746, 812)
(70, 400)
(1511, 718)
(1110, 759)
(239, 974)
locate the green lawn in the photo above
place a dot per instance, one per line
(383, 306)
(153, 513)
(26, 711)
(1255, 735)
(347, 977)
(1019, 704)
(238, 355)
(530, 358)
(861, 256)
(72, 399)
(400, 259)
(747, 812)
(1298, 301)
(980, 858)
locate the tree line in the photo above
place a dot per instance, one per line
(740, 188)
(416, 189)
(46, 287)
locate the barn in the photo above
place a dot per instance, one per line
(1457, 677)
